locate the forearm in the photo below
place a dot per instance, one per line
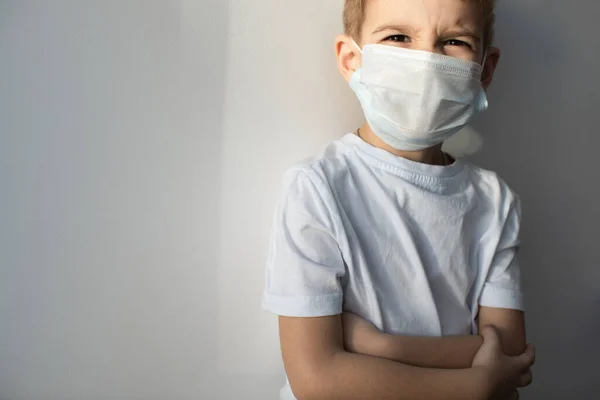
(450, 352)
(347, 376)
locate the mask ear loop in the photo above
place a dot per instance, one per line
(482, 103)
(357, 46)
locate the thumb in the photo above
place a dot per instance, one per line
(490, 336)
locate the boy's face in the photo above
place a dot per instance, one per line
(451, 27)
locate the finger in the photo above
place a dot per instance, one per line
(526, 359)
(525, 379)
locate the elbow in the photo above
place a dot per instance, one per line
(307, 387)
(303, 394)
(312, 382)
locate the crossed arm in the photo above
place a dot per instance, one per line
(319, 366)
(449, 352)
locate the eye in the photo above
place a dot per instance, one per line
(397, 39)
(456, 42)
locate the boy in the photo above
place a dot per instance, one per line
(388, 255)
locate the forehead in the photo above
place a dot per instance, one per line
(423, 14)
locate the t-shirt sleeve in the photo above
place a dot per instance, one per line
(305, 265)
(503, 285)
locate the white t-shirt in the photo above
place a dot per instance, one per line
(413, 248)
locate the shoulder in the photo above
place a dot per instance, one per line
(493, 188)
(321, 171)
(309, 187)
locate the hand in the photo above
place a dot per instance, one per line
(503, 373)
(360, 336)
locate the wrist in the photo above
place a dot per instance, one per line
(382, 345)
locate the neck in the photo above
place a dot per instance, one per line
(432, 155)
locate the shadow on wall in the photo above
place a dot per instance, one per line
(538, 137)
(284, 102)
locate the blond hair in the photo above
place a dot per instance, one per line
(354, 16)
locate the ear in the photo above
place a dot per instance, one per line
(348, 56)
(491, 62)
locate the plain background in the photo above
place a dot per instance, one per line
(141, 147)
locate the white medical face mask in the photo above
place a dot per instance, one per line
(416, 99)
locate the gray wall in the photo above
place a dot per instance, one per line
(141, 145)
(542, 136)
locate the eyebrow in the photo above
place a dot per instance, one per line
(400, 28)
